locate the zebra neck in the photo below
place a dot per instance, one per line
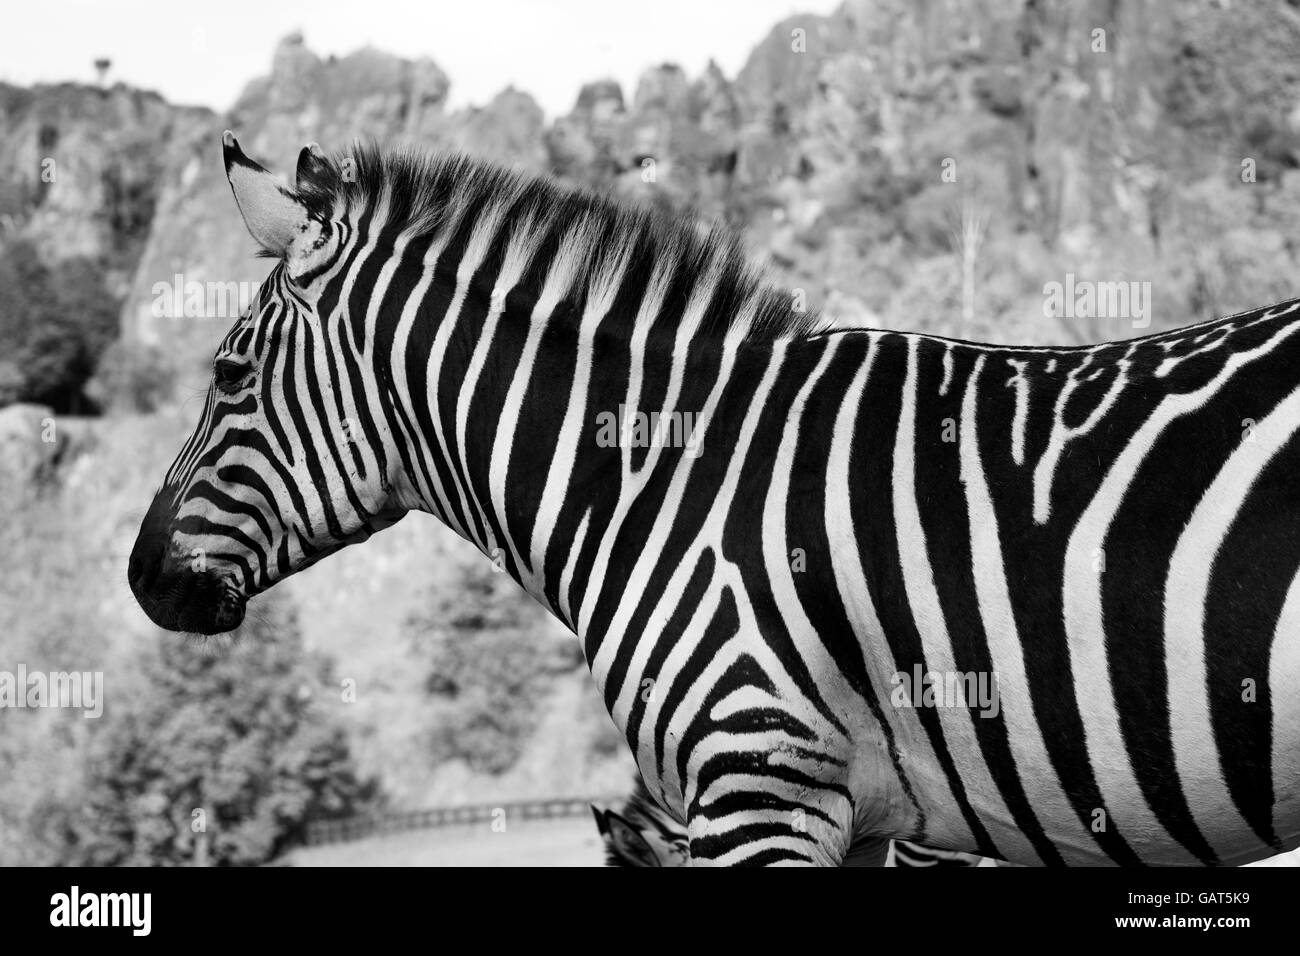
(531, 433)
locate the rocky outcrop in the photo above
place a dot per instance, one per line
(198, 241)
(25, 459)
(79, 167)
(76, 160)
(1100, 137)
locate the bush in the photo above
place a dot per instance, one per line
(55, 323)
(491, 664)
(237, 739)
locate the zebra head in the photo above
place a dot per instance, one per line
(642, 834)
(626, 844)
(286, 465)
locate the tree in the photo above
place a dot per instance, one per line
(492, 662)
(55, 324)
(225, 755)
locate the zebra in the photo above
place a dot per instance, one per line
(642, 834)
(910, 856)
(834, 585)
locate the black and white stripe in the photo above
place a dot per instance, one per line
(1111, 531)
(640, 833)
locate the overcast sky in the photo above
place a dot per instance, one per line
(204, 53)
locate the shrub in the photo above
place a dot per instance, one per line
(491, 664)
(55, 323)
(241, 736)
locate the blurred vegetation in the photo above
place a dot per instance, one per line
(240, 739)
(55, 322)
(489, 668)
(130, 185)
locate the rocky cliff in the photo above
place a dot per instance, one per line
(1106, 139)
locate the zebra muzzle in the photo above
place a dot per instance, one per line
(177, 594)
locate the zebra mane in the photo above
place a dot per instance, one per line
(531, 224)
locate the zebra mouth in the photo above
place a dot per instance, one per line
(179, 599)
(229, 612)
(174, 592)
(212, 605)
(191, 603)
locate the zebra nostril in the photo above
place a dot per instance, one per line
(149, 552)
(146, 562)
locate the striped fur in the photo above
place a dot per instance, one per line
(1111, 533)
(909, 856)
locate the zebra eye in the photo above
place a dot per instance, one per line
(229, 374)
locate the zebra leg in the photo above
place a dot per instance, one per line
(914, 856)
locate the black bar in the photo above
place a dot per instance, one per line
(945, 907)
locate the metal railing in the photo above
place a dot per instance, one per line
(324, 832)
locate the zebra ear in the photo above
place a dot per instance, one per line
(629, 844)
(273, 215)
(312, 164)
(317, 180)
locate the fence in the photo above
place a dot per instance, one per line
(356, 828)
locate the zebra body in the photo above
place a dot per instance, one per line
(778, 599)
